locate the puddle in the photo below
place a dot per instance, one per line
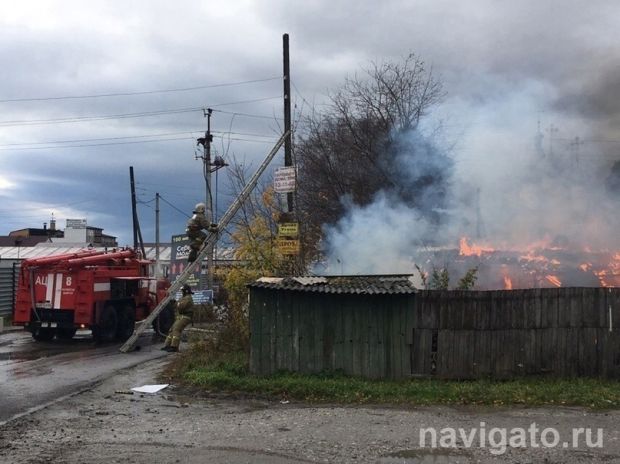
(424, 456)
(19, 356)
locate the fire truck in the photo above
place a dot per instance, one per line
(104, 291)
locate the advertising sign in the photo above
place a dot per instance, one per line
(178, 260)
(76, 223)
(288, 229)
(287, 247)
(199, 296)
(284, 179)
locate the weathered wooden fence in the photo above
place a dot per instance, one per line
(564, 332)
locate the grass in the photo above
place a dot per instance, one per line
(229, 373)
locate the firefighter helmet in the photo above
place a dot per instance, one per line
(200, 208)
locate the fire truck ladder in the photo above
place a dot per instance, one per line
(211, 237)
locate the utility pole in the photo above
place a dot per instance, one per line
(288, 142)
(209, 195)
(137, 233)
(157, 265)
(133, 208)
(208, 168)
(289, 215)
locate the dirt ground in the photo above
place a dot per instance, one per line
(106, 424)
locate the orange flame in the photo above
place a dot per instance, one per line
(507, 283)
(474, 250)
(530, 256)
(602, 278)
(585, 267)
(554, 280)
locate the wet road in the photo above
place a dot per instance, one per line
(33, 374)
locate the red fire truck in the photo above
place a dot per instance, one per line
(106, 292)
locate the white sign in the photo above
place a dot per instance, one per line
(284, 180)
(76, 223)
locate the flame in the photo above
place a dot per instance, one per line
(554, 280)
(530, 256)
(602, 278)
(474, 250)
(585, 267)
(544, 263)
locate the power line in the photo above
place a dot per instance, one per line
(101, 139)
(171, 205)
(104, 139)
(145, 92)
(33, 122)
(245, 133)
(249, 115)
(95, 144)
(132, 142)
(238, 139)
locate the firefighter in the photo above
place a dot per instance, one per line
(184, 312)
(195, 225)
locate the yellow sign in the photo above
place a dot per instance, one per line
(288, 247)
(288, 229)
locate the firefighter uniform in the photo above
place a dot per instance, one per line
(184, 311)
(195, 233)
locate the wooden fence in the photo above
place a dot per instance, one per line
(564, 332)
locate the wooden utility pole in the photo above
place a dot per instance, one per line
(157, 264)
(288, 142)
(209, 197)
(133, 208)
(137, 233)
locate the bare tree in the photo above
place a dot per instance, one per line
(349, 149)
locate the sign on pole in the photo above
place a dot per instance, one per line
(284, 179)
(287, 247)
(288, 229)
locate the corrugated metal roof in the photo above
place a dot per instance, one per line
(363, 285)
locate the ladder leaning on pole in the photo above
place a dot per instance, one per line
(210, 239)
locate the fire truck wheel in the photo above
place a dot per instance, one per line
(43, 334)
(105, 331)
(126, 322)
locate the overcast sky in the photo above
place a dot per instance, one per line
(505, 65)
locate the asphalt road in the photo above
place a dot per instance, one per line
(105, 423)
(33, 374)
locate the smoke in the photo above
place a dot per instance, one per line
(499, 174)
(408, 214)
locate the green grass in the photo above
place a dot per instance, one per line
(229, 373)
